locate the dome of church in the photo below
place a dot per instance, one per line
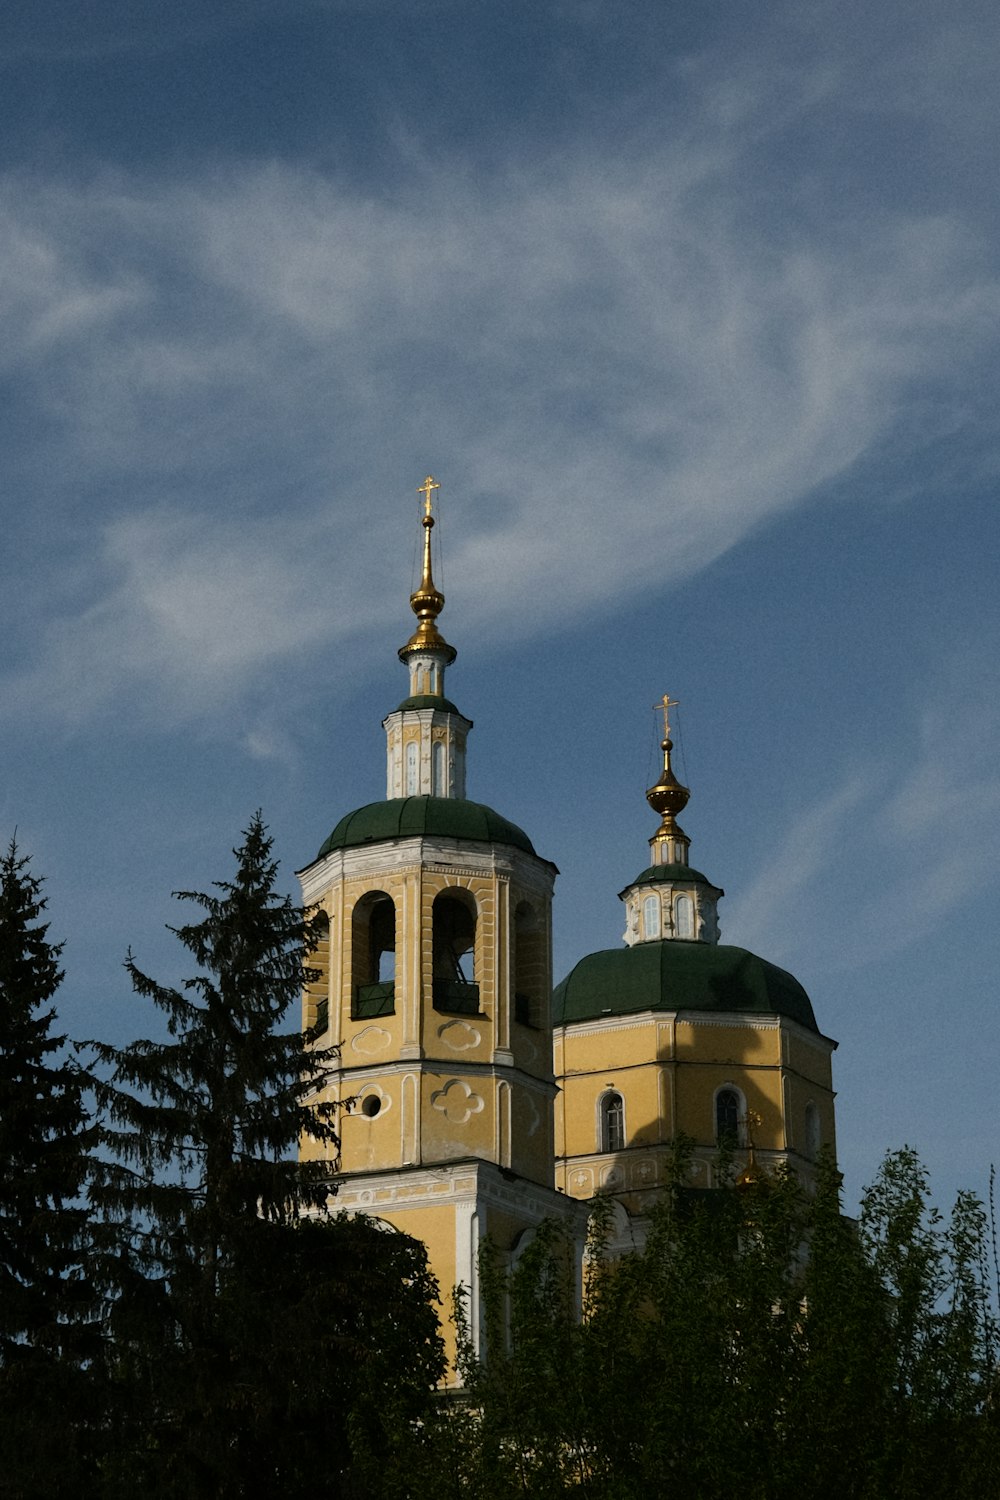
(418, 817)
(672, 975)
(672, 873)
(428, 700)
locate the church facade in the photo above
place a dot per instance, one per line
(482, 1101)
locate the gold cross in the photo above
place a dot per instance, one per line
(425, 489)
(664, 706)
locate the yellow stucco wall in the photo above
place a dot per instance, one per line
(449, 1084)
(668, 1070)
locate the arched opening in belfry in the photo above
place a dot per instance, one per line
(317, 968)
(529, 965)
(454, 964)
(373, 956)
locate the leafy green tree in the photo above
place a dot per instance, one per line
(941, 1434)
(45, 1137)
(233, 1364)
(758, 1343)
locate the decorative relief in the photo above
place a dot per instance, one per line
(457, 1102)
(373, 1039)
(740, 1021)
(612, 1177)
(583, 1183)
(459, 1035)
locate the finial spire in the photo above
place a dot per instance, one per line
(426, 734)
(664, 706)
(427, 601)
(668, 798)
(430, 484)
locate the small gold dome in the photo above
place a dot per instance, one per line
(667, 797)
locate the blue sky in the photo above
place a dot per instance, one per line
(692, 309)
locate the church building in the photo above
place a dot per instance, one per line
(678, 1037)
(484, 1103)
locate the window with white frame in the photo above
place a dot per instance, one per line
(612, 1122)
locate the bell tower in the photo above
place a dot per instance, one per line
(436, 982)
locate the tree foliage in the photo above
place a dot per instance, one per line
(241, 1320)
(45, 1137)
(758, 1343)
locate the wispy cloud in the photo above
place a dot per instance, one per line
(891, 853)
(635, 357)
(194, 610)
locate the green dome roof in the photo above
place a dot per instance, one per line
(429, 700)
(675, 975)
(414, 817)
(671, 872)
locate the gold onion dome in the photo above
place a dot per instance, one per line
(427, 601)
(667, 797)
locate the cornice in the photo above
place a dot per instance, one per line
(470, 1181)
(720, 1019)
(436, 1067)
(422, 852)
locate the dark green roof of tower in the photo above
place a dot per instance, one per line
(429, 700)
(675, 975)
(671, 872)
(415, 817)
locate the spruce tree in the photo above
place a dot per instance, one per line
(258, 1344)
(45, 1136)
(203, 1128)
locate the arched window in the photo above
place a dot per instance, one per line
(373, 956)
(728, 1111)
(651, 917)
(412, 780)
(612, 1130)
(529, 965)
(684, 916)
(437, 769)
(454, 972)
